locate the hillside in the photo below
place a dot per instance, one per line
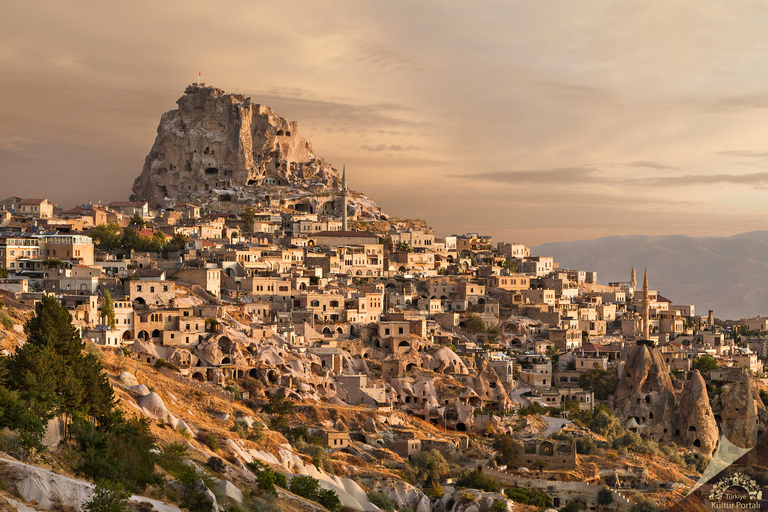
(727, 274)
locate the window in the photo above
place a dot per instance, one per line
(138, 288)
(400, 330)
(151, 289)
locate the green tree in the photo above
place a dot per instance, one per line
(506, 449)
(494, 332)
(329, 499)
(402, 247)
(606, 424)
(106, 237)
(602, 383)
(108, 310)
(509, 265)
(305, 486)
(525, 496)
(604, 497)
(3, 273)
(473, 324)
(643, 504)
(476, 479)
(428, 466)
(571, 506)
(248, 216)
(130, 241)
(704, 364)
(121, 452)
(108, 497)
(137, 221)
(157, 242)
(177, 243)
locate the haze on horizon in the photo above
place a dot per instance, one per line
(531, 121)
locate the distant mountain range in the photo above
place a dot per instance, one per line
(726, 274)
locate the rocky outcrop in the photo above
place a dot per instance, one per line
(221, 147)
(697, 427)
(645, 394)
(737, 411)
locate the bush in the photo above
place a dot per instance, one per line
(526, 496)
(382, 501)
(216, 464)
(571, 506)
(475, 479)
(6, 321)
(506, 449)
(210, 440)
(428, 466)
(606, 424)
(604, 497)
(586, 446)
(643, 504)
(329, 499)
(121, 453)
(304, 486)
(498, 506)
(108, 497)
(162, 363)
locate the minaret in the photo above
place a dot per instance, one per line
(344, 198)
(633, 279)
(646, 308)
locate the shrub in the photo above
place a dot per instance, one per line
(435, 491)
(382, 501)
(305, 486)
(477, 480)
(209, 440)
(162, 363)
(108, 497)
(329, 499)
(526, 496)
(6, 321)
(571, 506)
(506, 449)
(586, 446)
(498, 506)
(216, 464)
(643, 504)
(428, 466)
(604, 497)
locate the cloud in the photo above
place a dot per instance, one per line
(391, 147)
(651, 165)
(745, 153)
(758, 180)
(338, 114)
(563, 174)
(752, 101)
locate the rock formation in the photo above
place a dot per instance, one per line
(698, 428)
(221, 147)
(645, 393)
(738, 413)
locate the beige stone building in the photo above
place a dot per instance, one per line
(39, 208)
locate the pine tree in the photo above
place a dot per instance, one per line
(108, 310)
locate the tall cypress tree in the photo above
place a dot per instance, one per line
(108, 310)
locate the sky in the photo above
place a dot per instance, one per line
(532, 121)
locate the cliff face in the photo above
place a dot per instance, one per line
(645, 393)
(219, 146)
(738, 412)
(698, 428)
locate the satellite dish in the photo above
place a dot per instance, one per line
(61, 271)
